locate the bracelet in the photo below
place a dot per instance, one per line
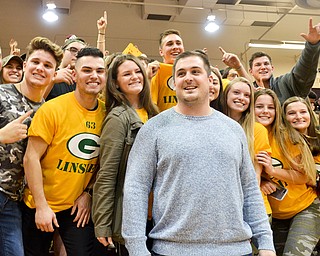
(103, 41)
(238, 68)
(101, 33)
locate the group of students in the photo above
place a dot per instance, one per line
(284, 144)
(180, 171)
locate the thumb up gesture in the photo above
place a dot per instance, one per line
(15, 130)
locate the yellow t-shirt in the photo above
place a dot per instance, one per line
(163, 92)
(142, 113)
(317, 162)
(261, 143)
(73, 137)
(298, 197)
(225, 82)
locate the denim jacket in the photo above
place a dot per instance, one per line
(118, 133)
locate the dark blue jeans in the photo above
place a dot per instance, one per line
(10, 227)
(77, 241)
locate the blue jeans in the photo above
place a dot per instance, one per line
(10, 227)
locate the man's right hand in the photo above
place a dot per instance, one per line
(313, 36)
(64, 75)
(230, 59)
(44, 218)
(15, 130)
(152, 69)
(102, 23)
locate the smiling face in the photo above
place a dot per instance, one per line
(12, 72)
(264, 110)
(214, 88)
(170, 48)
(262, 69)
(89, 75)
(130, 79)
(39, 69)
(192, 81)
(297, 114)
(238, 99)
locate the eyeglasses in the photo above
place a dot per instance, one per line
(73, 50)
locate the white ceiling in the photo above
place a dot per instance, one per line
(128, 22)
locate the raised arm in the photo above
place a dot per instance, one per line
(102, 25)
(45, 217)
(300, 80)
(313, 36)
(232, 61)
(14, 50)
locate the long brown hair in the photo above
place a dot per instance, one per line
(114, 97)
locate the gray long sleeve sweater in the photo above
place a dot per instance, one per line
(206, 196)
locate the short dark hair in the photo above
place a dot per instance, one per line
(258, 55)
(90, 51)
(168, 32)
(226, 72)
(187, 54)
(312, 95)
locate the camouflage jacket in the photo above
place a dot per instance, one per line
(12, 105)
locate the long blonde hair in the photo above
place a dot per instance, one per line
(305, 142)
(283, 132)
(247, 117)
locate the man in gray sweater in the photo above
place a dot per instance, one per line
(196, 162)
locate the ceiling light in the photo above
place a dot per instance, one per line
(211, 26)
(291, 45)
(50, 14)
(51, 6)
(308, 4)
